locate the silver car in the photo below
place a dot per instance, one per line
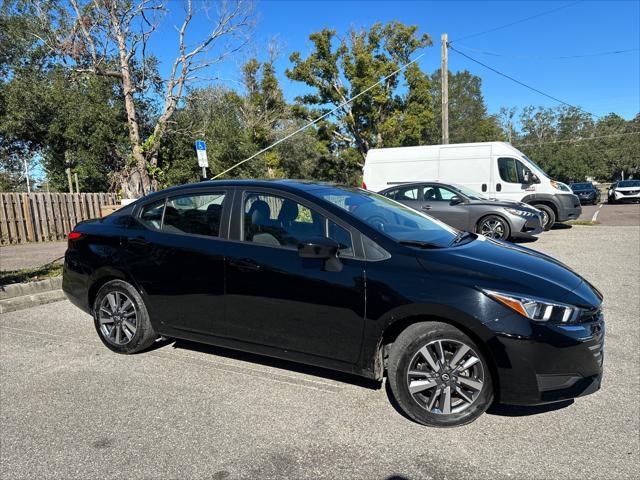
(465, 209)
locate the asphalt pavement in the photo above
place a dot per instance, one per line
(30, 255)
(72, 409)
(612, 214)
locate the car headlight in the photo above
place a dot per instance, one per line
(520, 213)
(560, 186)
(534, 308)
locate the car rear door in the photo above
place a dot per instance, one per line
(175, 252)
(278, 299)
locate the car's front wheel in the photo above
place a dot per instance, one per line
(438, 375)
(121, 318)
(493, 226)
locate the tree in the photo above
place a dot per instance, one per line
(339, 72)
(468, 118)
(108, 38)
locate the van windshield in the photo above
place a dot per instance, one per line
(389, 217)
(535, 165)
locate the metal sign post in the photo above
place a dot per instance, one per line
(201, 150)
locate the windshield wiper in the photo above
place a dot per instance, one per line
(460, 237)
(420, 244)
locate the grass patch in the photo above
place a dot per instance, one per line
(53, 269)
(582, 222)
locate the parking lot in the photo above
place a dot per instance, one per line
(72, 409)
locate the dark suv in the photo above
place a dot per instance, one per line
(345, 279)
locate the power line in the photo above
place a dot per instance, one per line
(576, 140)
(313, 122)
(555, 99)
(547, 12)
(542, 57)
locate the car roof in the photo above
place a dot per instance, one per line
(417, 184)
(285, 184)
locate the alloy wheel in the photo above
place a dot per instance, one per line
(445, 377)
(118, 318)
(493, 228)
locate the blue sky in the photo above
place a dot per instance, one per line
(526, 51)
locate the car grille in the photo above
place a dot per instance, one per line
(630, 192)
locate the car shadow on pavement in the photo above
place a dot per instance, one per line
(525, 240)
(561, 226)
(275, 363)
(525, 411)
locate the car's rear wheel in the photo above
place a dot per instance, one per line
(548, 216)
(121, 318)
(438, 375)
(493, 226)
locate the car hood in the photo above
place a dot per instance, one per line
(507, 267)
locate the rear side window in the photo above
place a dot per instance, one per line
(151, 215)
(410, 193)
(199, 214)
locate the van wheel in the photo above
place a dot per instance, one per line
(493, 226)
(438, 375)
(121, 318)
(548, 216)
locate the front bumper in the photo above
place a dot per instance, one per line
(568, 207)
(525, 226)
(545, 363)
(626, 196)
(591, 198)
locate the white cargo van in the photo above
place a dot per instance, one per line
(494, 169)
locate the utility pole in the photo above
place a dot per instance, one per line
(444, 81)
(75, 176)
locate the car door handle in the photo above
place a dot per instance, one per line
(245, 265)
(138, 241)
(426, 207)
(498, 187)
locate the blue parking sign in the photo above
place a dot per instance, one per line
(200, 145)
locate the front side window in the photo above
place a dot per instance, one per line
(278, 221)
(512, 170)
(197, 214)
(446, 195)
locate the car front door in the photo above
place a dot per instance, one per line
(445, 207)
(175, 252)
(514, 180)
(278, 299)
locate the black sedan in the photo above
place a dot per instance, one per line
(465, 209)
(586, 192)
(345, 279)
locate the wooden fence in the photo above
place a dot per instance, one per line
(42, 217)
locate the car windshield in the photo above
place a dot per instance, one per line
(581, 186)
(472, 194)
(629, 183)
(389, 217)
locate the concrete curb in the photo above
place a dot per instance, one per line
(25, 295)
(30, 288)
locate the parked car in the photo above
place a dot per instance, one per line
(610, 197)
(587, 192)
(344, 279)
(625, 191)
(495, 169)
(465, 209)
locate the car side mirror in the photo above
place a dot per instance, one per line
(322, 248)
(535, 178)
(456, 200)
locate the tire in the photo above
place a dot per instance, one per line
(494, 226)
(428, 406)
(549, 216)
(121, 318)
